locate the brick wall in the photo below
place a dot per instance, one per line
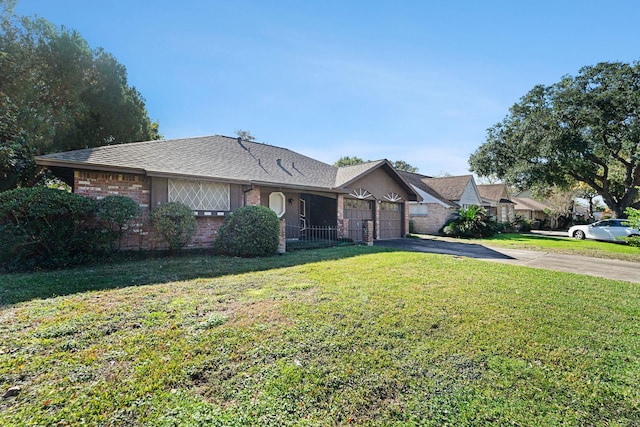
(433, 222)
(97, 185)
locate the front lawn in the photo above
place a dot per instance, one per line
(590, 248)
(353, 335)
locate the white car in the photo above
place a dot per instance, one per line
(612, 230)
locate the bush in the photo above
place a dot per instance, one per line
(471, 222)
(251, 231)
(521, 225)
(117, 212)
(47, 228)
(174, 223)
(633, 219)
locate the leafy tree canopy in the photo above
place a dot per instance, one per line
(582, 129)
(245, 135)
(350, 161)
(58, 94)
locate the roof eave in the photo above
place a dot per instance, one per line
(42, 161)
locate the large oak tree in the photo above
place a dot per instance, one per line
(582, 129)
(58, 94)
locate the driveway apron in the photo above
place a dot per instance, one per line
(608, 268)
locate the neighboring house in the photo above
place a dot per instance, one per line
(441, 197)
(495, 199)
(531, 209)
(215, 175)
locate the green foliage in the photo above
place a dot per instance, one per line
(58, 94)
(404, 166)
(520, 224)
(47, 228)
(470, 222)
(251, 231)
(582, 129)
(345, 336)
(118, 212)
(633, 219)
(348, 161)
(174, 223)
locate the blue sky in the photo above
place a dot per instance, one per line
(418, 81)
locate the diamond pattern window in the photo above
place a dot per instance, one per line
(200, 195)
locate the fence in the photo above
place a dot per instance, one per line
(314, 236)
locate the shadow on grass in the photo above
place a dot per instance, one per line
(152, 269)
(471, 250)
(514, 237)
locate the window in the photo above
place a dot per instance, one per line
(388, 206)
(200, 195)
(357, 204)
(416, 209)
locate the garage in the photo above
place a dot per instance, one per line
(390, 220)
(357, 211)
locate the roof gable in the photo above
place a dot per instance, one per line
(493, 192)
(454, 188)
(425, 191)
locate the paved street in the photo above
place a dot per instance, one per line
(608, 268)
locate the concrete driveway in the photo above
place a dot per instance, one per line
(607, 268)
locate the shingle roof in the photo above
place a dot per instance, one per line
(449, 187)
(348, 174)
(525, 203)
(418, 181)
(218, 158)
(209, 157)
(491, 192)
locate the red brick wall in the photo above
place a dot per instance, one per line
(97, 185)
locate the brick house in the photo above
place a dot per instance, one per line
(215, 175)
(441, 197)
(496, 200)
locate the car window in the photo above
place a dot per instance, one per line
(602, 224)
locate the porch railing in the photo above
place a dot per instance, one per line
(311, 236)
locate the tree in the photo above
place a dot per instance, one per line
(58, 94)
(559, 204)
(583, 191)
(633, 221)
(582, 129)
(404, 166)
(245, 135)
(348, 161)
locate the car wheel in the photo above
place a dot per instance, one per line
(578, 234)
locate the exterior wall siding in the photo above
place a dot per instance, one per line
(433, 222)
(98, 185)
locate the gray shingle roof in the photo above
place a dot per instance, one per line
(418, 181)
(491, 192)
(525, 203)
(449, 187)
(210, 157)
(347, 174)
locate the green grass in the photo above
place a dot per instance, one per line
(342, 336)
(590, 248)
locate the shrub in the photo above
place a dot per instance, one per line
(471, 222)
(117, 212)
(47, 228)
(520, 225)
(251, 231)
(174, 223)
(633, 219)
